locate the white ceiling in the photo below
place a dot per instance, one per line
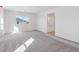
(31, 9)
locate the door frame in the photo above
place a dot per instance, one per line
(54, 22)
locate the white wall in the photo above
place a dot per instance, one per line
(10, 21)
(67, 23)
(42, 20)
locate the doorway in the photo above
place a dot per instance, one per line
(51, 24)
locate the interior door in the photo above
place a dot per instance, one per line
(51, 24)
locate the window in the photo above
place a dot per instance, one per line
(22, 19)
(1, 24)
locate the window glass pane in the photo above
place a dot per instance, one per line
(22, 19)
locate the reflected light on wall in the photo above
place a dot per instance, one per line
(1, 27)
(15, 29)
(1, 21)
(1, 24)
